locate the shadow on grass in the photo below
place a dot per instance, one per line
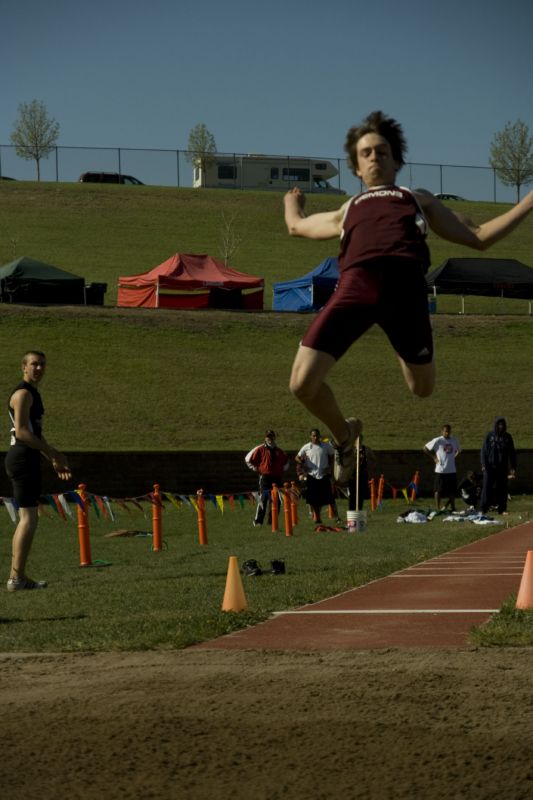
(15, 620)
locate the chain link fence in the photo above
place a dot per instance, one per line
(173, 168)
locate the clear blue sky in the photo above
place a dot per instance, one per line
(276, 77)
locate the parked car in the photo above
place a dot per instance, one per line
(446, 196)
(109, 177)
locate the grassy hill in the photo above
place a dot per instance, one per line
(104, 231)
(141, 379)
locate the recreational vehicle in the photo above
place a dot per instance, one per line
(274, 173)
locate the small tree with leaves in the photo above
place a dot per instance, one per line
(201, 148)
(511, 155)
(35, 133)
(230, 238)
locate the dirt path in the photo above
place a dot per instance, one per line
(215, 724)
(337, 724)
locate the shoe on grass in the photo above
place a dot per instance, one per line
(18, 584)
(344, 463)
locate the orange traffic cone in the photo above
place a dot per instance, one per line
(234, 597)
(524, 598)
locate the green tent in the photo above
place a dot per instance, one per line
(27, 280)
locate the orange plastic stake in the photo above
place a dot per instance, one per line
(83, 528)
(373, 503)
(381, 488)
(294, 504)
(331, 511)
(202, 526)
(287, 510)
(394, 492)
(274, 502)
(157, 525)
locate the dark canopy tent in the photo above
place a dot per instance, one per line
(310, 292)
(489, 277)
(27, 280)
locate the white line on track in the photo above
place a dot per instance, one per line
(394, 611)
(456, 574)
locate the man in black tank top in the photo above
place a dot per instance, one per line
(23, 465)
(382, 263)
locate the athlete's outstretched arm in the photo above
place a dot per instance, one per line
(459, 229)
(325, 225)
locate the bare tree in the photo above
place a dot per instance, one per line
(230, 239)
(35, 133)
(201, 148)
(511, 155)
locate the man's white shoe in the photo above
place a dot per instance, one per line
(344, 463)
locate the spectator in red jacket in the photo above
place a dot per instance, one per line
(270, 461)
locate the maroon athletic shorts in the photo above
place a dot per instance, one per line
(391, 293)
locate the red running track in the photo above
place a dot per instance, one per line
(430, 605)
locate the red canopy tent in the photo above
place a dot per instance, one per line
(191, 281)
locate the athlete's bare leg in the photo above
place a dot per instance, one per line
(420, 378)
(22, 540)
(308, 385)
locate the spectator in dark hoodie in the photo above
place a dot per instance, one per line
(498, 462)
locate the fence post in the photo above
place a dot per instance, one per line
(294, 504)
(372, 494)
(157, 527)
(202, 526)
(287, 510)
(83, 527)
(381, 489)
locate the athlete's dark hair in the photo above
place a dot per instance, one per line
(377, 122)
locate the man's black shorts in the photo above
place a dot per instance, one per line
(391, 293)
(24, 471)
(445, 483)
(319, 491)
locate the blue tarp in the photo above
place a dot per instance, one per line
(310, 292)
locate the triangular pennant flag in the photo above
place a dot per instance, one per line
(123, 504)
(51, 502)
(75, 497)
(10, 508)
(94, 504)
(101, 505)
(173, 500)
(186, 500)
(220, 502)
(109, 509)
(59, 507)
(64, 505)
(136, 503)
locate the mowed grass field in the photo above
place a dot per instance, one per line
(142, 379)
(154, 380)
(135, 599)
